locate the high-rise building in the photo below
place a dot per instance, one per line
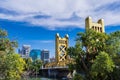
(19, 51)
(52, 59)
(25, 51)
(35, 54)
(98, 26)
(45, 56)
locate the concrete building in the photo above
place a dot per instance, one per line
(45, 56)
(98, 26)
(52, 59)
(35, 54)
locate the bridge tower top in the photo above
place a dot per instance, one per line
(98, 26)
(61, 44)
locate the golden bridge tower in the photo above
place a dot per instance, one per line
(61, 46)
(98, 26)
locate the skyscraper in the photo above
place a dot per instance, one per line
(45, 56)
(25, 51)
(35, 54)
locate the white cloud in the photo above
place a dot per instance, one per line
(46, 41)
(40, 41)
(61, 11)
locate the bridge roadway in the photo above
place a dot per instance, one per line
(59, 69)
(58, 72)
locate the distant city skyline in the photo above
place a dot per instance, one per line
(35, 23)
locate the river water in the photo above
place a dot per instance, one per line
(43, 78)
(47, 79)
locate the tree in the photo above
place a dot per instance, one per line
(78, 55)
(28, 62)
(78, 77)
(32, 66)
(89, 45)
(5, 44)
(113, 49)
(93, 42)
(113, 43)
(36, 65)
(11, 64)
(2, 64)
(102, 66)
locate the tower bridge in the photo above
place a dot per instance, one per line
(62, 59)
(61, 56)
(61, 44)
(58, 68)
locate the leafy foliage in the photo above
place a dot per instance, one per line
(77, 54)
(37, 64)
(32, 67)
(102, 66)
(11, 64)
(5, 44)
(96, 55)
(78, 77)
(113, 43)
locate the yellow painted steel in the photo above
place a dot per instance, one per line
(61, 57)
(61, 44)
(98, 26)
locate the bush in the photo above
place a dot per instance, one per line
(78, 77)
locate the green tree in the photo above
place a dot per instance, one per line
(5, 44)
(28, 62)
(32, 66)
(102, 66)
(113, 43)
(93, 42)
(78, 77)
(36, 65)
(78, 55)
(2, 65)
(113, 49)
(89, 45)
(11, 64)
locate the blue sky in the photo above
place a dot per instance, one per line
(35, 22)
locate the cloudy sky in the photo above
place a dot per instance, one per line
(36, 22)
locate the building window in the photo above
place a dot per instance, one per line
(93, 27)
(98, 29)
(101, 29)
